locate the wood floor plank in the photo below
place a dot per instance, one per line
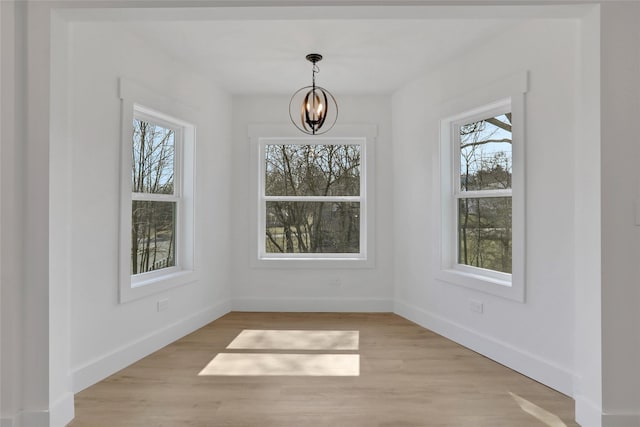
(409, 377)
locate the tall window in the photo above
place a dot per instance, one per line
(311, 198)
(482, 213)
(157, 195)
(484, 192)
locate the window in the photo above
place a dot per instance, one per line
(155, 194)
(157, 199)
(312, 199)
(483, 191)
(482, 197)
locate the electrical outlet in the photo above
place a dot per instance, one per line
(476, 306)
(163, 304)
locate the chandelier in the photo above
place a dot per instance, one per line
(313, 109)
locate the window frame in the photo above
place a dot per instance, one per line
(493, 110)
(139, 103)
(150, 116)
(498, 98)
(363, 135)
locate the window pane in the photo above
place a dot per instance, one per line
(485, 154)
(313, 227)
(153, 235)
(312, 170)
(484, 233)
(153, 158)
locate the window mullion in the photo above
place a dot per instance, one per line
(312, 198)
(154, 197)
(482, 194)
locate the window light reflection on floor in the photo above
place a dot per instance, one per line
(240, 363)
(534, 410)
(252, 364)
(251, 339)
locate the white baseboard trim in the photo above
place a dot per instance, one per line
(26, 418)
(619, 420)
(59, 414)
(528, 364)
(110, 363)
(587, 413)
(361, 305)
(62, 411)
(34, 419)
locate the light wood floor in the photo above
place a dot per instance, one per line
(409, 377)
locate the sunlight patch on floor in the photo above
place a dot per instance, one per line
(534, 410)
(251, 354)
(252, 364)
(251, 339)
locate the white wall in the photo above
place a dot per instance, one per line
(535, 337)
(106, 335)
(36, 406)
(11, 324)
(368, 289)
(620, 154)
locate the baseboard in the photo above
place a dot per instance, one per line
(361, 305)
(62, 411)
(27, 419)
(7, 422)
(59, 415)
(521, 361)
(588, 414)
(35, 419)
(108, 364)
(620, 420)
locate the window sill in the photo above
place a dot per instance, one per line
(483, 283)
(158, 283)
(312, 263)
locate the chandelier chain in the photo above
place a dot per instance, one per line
(315, 70)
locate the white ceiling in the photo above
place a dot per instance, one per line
(360, 56)
(365, 49)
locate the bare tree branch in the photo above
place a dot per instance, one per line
(273, 241)
(486, 141)
(500, 124)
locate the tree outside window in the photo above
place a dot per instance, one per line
(312, 198)
(154, 197)
(484, 193)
